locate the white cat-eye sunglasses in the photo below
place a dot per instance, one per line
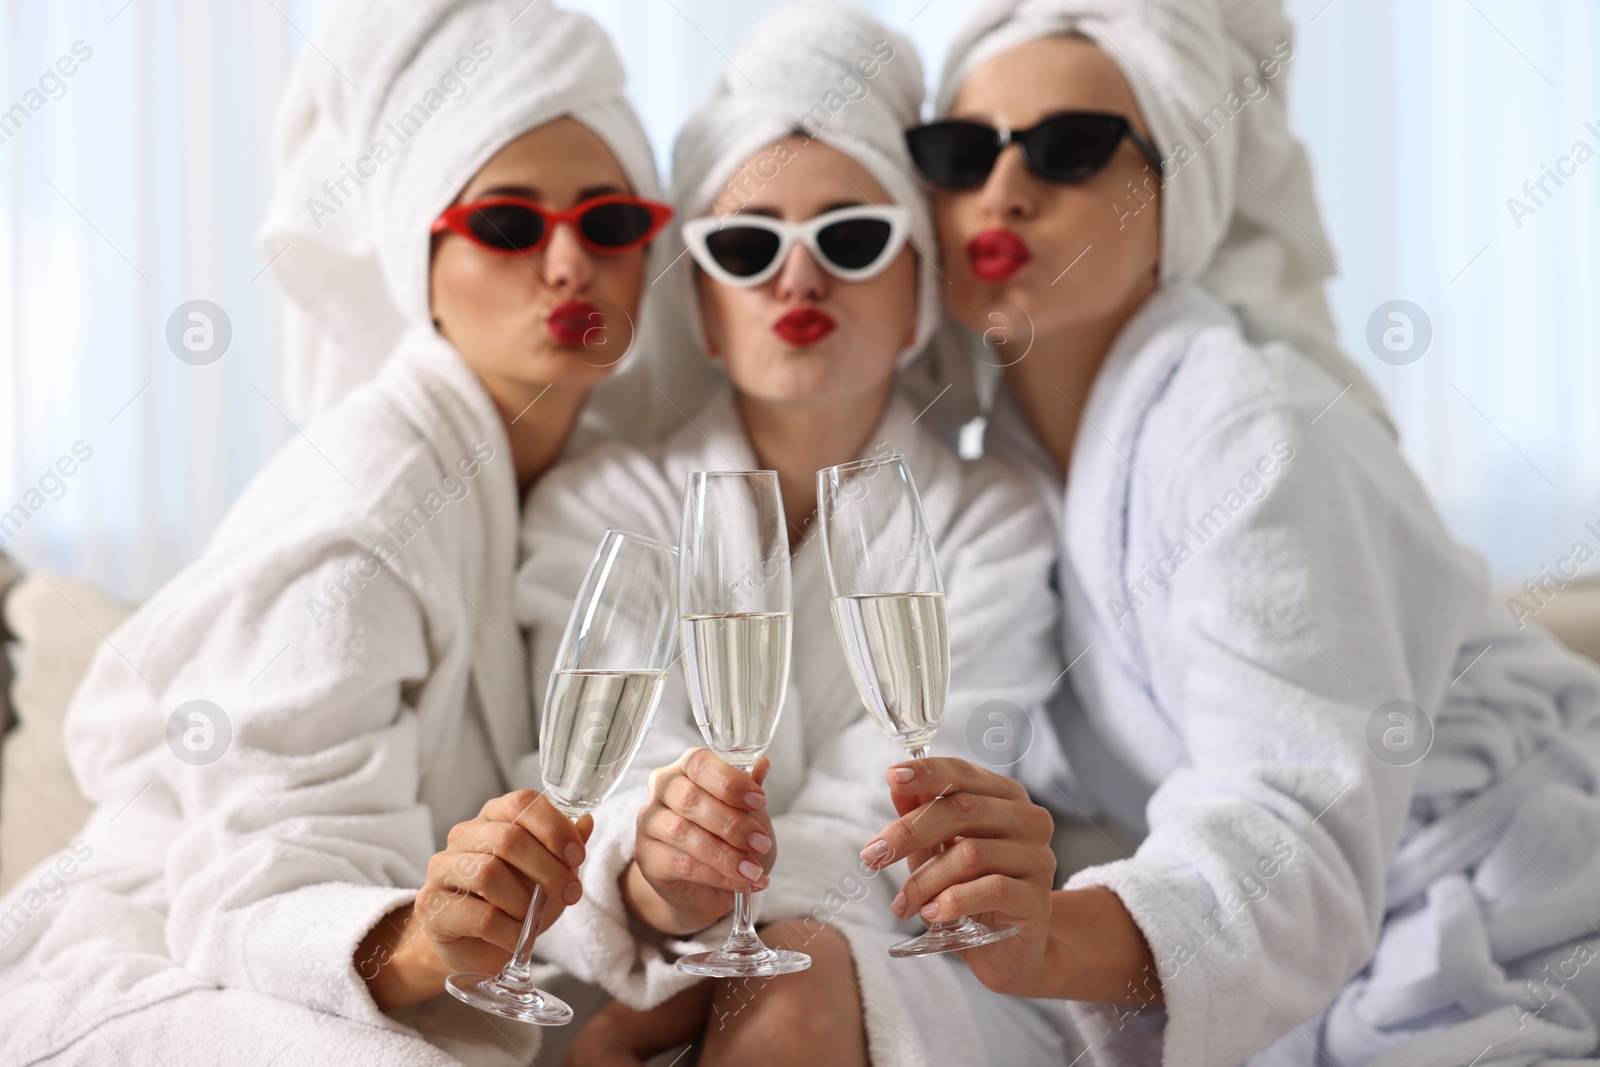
(851, 243)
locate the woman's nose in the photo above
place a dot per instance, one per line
(1009, 192)
(801, 279)
(568, 266)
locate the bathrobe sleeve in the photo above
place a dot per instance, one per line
(996, 550)
(1287, 622)
(621, 488)
(308, 828)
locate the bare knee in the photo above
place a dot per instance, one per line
(828, 948)
(813, 1015)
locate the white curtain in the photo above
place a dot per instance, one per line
(138, 181)
(135, 185)
(1424, 117)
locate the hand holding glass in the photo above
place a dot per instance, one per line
(608, 678)
(888, 607)
(737, 615)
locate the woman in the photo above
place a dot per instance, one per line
(1366, 799)
(303, 746)
(809, 331)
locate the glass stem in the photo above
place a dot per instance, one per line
(743, 935)
(518, 971)
(921, 752)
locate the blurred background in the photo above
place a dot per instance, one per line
(136, 184)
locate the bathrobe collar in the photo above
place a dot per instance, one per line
(1091, 509)
(1104, 463)
(450, 408)
(1135, 372)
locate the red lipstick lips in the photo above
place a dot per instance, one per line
(804, 326)
(997, 254)
(571, 322)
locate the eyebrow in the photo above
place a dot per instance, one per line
(529, 192)
(774, 213)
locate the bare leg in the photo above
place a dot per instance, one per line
(618, 1036)
(806, 1018)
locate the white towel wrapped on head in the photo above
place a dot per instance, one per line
(385, 119)
(1238, 213)
(832, 73)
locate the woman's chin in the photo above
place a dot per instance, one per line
(808, 390)
(561, 366)
(599, 349)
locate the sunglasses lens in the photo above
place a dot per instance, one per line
(509, 227)
(615, 225)
(953, 155)
(1072, 148)
(743, 251)
(854, 243)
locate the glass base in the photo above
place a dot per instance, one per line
(953, 936)
(487, 993)
(763, 962)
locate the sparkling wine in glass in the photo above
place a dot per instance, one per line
(609, 674)
(888, 607)
(736, 613)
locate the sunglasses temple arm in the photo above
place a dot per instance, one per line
(1148, 150)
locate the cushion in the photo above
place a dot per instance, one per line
(1571, 612)
(59, 623)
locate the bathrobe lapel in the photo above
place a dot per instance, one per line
(1092, 510)
(448, 405)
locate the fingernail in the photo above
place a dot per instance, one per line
(902, 774)
(759, 843)
(876, 853)
(930, 910)
(755, 801)
(574, 891)
(899, 905)
(751, 872)
(758, 886)
(574, 854)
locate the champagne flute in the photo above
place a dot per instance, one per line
(609, 674)
(888, 607)
(736, 611)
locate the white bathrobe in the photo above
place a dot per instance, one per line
(352, 620)
(826, 788)
(1251, 573)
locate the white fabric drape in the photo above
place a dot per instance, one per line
(142, 186)
(1422, 118)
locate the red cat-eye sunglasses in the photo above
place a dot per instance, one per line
(606, 225)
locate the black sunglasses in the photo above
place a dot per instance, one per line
(1067, 148)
